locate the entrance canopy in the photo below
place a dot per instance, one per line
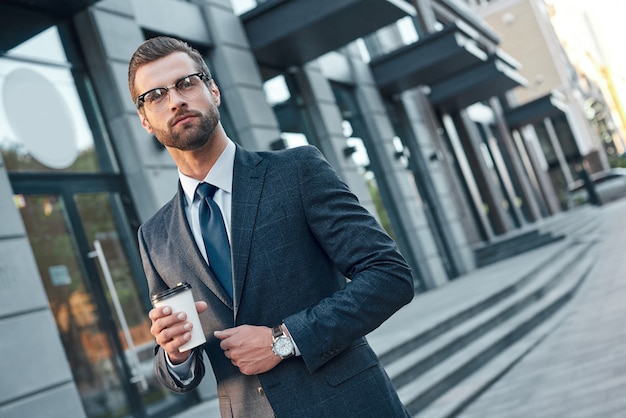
(434, 57)
(478, 83)
(544, 107)
(284, 33)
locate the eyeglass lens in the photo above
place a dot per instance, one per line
(188, 87)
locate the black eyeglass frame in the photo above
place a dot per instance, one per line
(141, 98)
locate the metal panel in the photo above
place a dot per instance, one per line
(436, 56)
(20, 282)
(37, 361)
(58, 8)
(284, 33)
(20, 20)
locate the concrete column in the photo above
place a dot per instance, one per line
(491, 194)
(513, 163)
(239, 78)
(530, 143)
(433, 167)
(398, 192)
(319, 104)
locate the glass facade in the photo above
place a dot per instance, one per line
(75, 207)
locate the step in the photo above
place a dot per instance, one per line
(555, 308)
(420, 392)
(465, 392)
(422, 357)
(584, 218)
(435, 312)
(503, 250)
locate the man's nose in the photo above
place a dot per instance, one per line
(175, 99)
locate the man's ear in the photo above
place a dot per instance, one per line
(144, 122)
(215, 92)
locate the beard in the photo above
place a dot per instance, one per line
(190, 136)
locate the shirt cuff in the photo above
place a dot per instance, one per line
(183, 372)
(295, 346)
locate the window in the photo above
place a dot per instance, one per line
(43, 125)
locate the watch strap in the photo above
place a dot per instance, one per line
(277, 331)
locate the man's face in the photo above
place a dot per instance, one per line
(185, 124)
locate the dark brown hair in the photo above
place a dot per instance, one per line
(159, 47)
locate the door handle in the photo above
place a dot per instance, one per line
(137, 374)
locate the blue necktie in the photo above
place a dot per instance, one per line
(214, 236)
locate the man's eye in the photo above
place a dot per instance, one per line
(185, 83)
(154, 96)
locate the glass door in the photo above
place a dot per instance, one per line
(99, 310)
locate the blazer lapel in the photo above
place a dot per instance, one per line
(184, 243)
(248, 178)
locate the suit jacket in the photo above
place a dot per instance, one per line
(305, 253)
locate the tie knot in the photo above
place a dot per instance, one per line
(205, 190)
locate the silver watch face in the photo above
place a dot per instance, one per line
(283, 346)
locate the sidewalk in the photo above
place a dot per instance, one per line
(579, 371)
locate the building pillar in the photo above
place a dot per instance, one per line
(431, 169)
(514, 165)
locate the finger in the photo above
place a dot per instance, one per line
(223, 334)
(173, 348)
(169, 320)
(201, 306)
(157, 313)
(176, 333)
(225, 345)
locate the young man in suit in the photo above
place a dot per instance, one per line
(312, 270)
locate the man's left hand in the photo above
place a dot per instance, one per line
(249, 348)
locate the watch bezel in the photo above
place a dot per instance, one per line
(278, 349)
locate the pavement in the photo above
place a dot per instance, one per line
(577, 371)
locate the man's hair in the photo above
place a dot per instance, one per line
(156, 48)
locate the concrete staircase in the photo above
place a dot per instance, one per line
(534, 236)
(513, 244)
(451, 344)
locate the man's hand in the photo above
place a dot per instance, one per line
(172, 331)
(249, 348)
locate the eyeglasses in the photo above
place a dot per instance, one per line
(157, 99)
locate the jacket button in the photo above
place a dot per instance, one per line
(261, 392)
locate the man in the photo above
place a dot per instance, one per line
(312, 271)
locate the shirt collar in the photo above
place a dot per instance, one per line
(221, 175)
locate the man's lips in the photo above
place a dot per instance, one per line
(183, 118)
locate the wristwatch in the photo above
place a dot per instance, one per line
(282, 345)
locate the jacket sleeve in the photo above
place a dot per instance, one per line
(161, 370)
(379, 280)
(169, 380)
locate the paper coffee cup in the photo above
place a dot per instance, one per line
(180, 299)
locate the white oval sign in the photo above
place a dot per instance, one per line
(40, 118)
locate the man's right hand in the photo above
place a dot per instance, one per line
(172, 331)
